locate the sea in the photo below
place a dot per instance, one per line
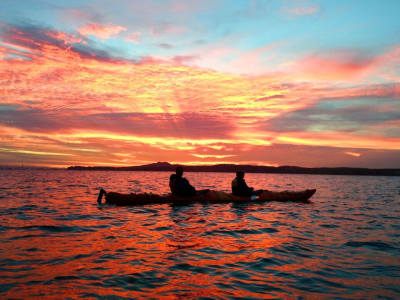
(57, 242)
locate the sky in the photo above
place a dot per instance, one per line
(121, 83)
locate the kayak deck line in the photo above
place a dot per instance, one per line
(209, 197)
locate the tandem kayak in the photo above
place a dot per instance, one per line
(208, 197)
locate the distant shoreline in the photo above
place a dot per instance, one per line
(230, 168)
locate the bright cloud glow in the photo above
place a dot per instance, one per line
(353, 154)
(103, 32)
(191, 82)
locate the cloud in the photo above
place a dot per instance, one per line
(334, 65)
(134, 37)
(302, 11)
(31, 37)
(259, 61)
(217, 156)
(322, 156)
(101, 31)
(165, 45)
(184, 59)
(185, 125)
(351, 65)
(355, 154)
(374, 90)
(164, 28)
(340, 115)
(268, 98)
(87, 15)
(61, 93)
(30, 41)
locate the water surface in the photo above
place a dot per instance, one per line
(56, 242)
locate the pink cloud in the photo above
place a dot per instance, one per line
(134, 37)
(388, 64)
(339, 65)
(302, 11)
(254, 62)
(67, 38)
(170, 113)
(222, 57)
(348, 64)
(100, 31)
(3, 52)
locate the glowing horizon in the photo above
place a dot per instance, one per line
(307, 83)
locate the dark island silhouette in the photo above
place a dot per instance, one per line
(232, 168)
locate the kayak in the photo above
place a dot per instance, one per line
(207, 197)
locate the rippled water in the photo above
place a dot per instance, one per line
(56, 242)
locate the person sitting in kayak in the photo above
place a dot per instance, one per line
(180, 185)
(172, 183)
(240, 188)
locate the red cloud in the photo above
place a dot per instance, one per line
(64, 95)
(348, 65)
(340, 65)
(100, 31)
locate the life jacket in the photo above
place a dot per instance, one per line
(172, 183)
(240, 188)
(182, 187)
(235, 186)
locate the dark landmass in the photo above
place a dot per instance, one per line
(11, 167)
(230, 168)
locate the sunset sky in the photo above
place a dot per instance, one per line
(306, 83)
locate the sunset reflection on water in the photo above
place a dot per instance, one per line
(57, 242)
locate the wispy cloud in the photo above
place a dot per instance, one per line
(63, 93)
(301, 11)
(355, 154)
(167, 29)
(101, 31)
(30, 41)
(133, 37)
(347, 116)
(334, 65)
(184, 125)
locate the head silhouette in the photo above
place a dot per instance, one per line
(179, 171)
(240, 174)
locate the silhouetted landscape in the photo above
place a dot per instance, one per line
(231, 168)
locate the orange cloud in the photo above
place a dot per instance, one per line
(355, 154)
(67, 38)
(340, 139)
(216, 156)
(64, 103)
(100, 31)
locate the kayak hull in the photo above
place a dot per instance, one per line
(210, 197)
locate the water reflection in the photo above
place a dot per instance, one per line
(56, 242)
